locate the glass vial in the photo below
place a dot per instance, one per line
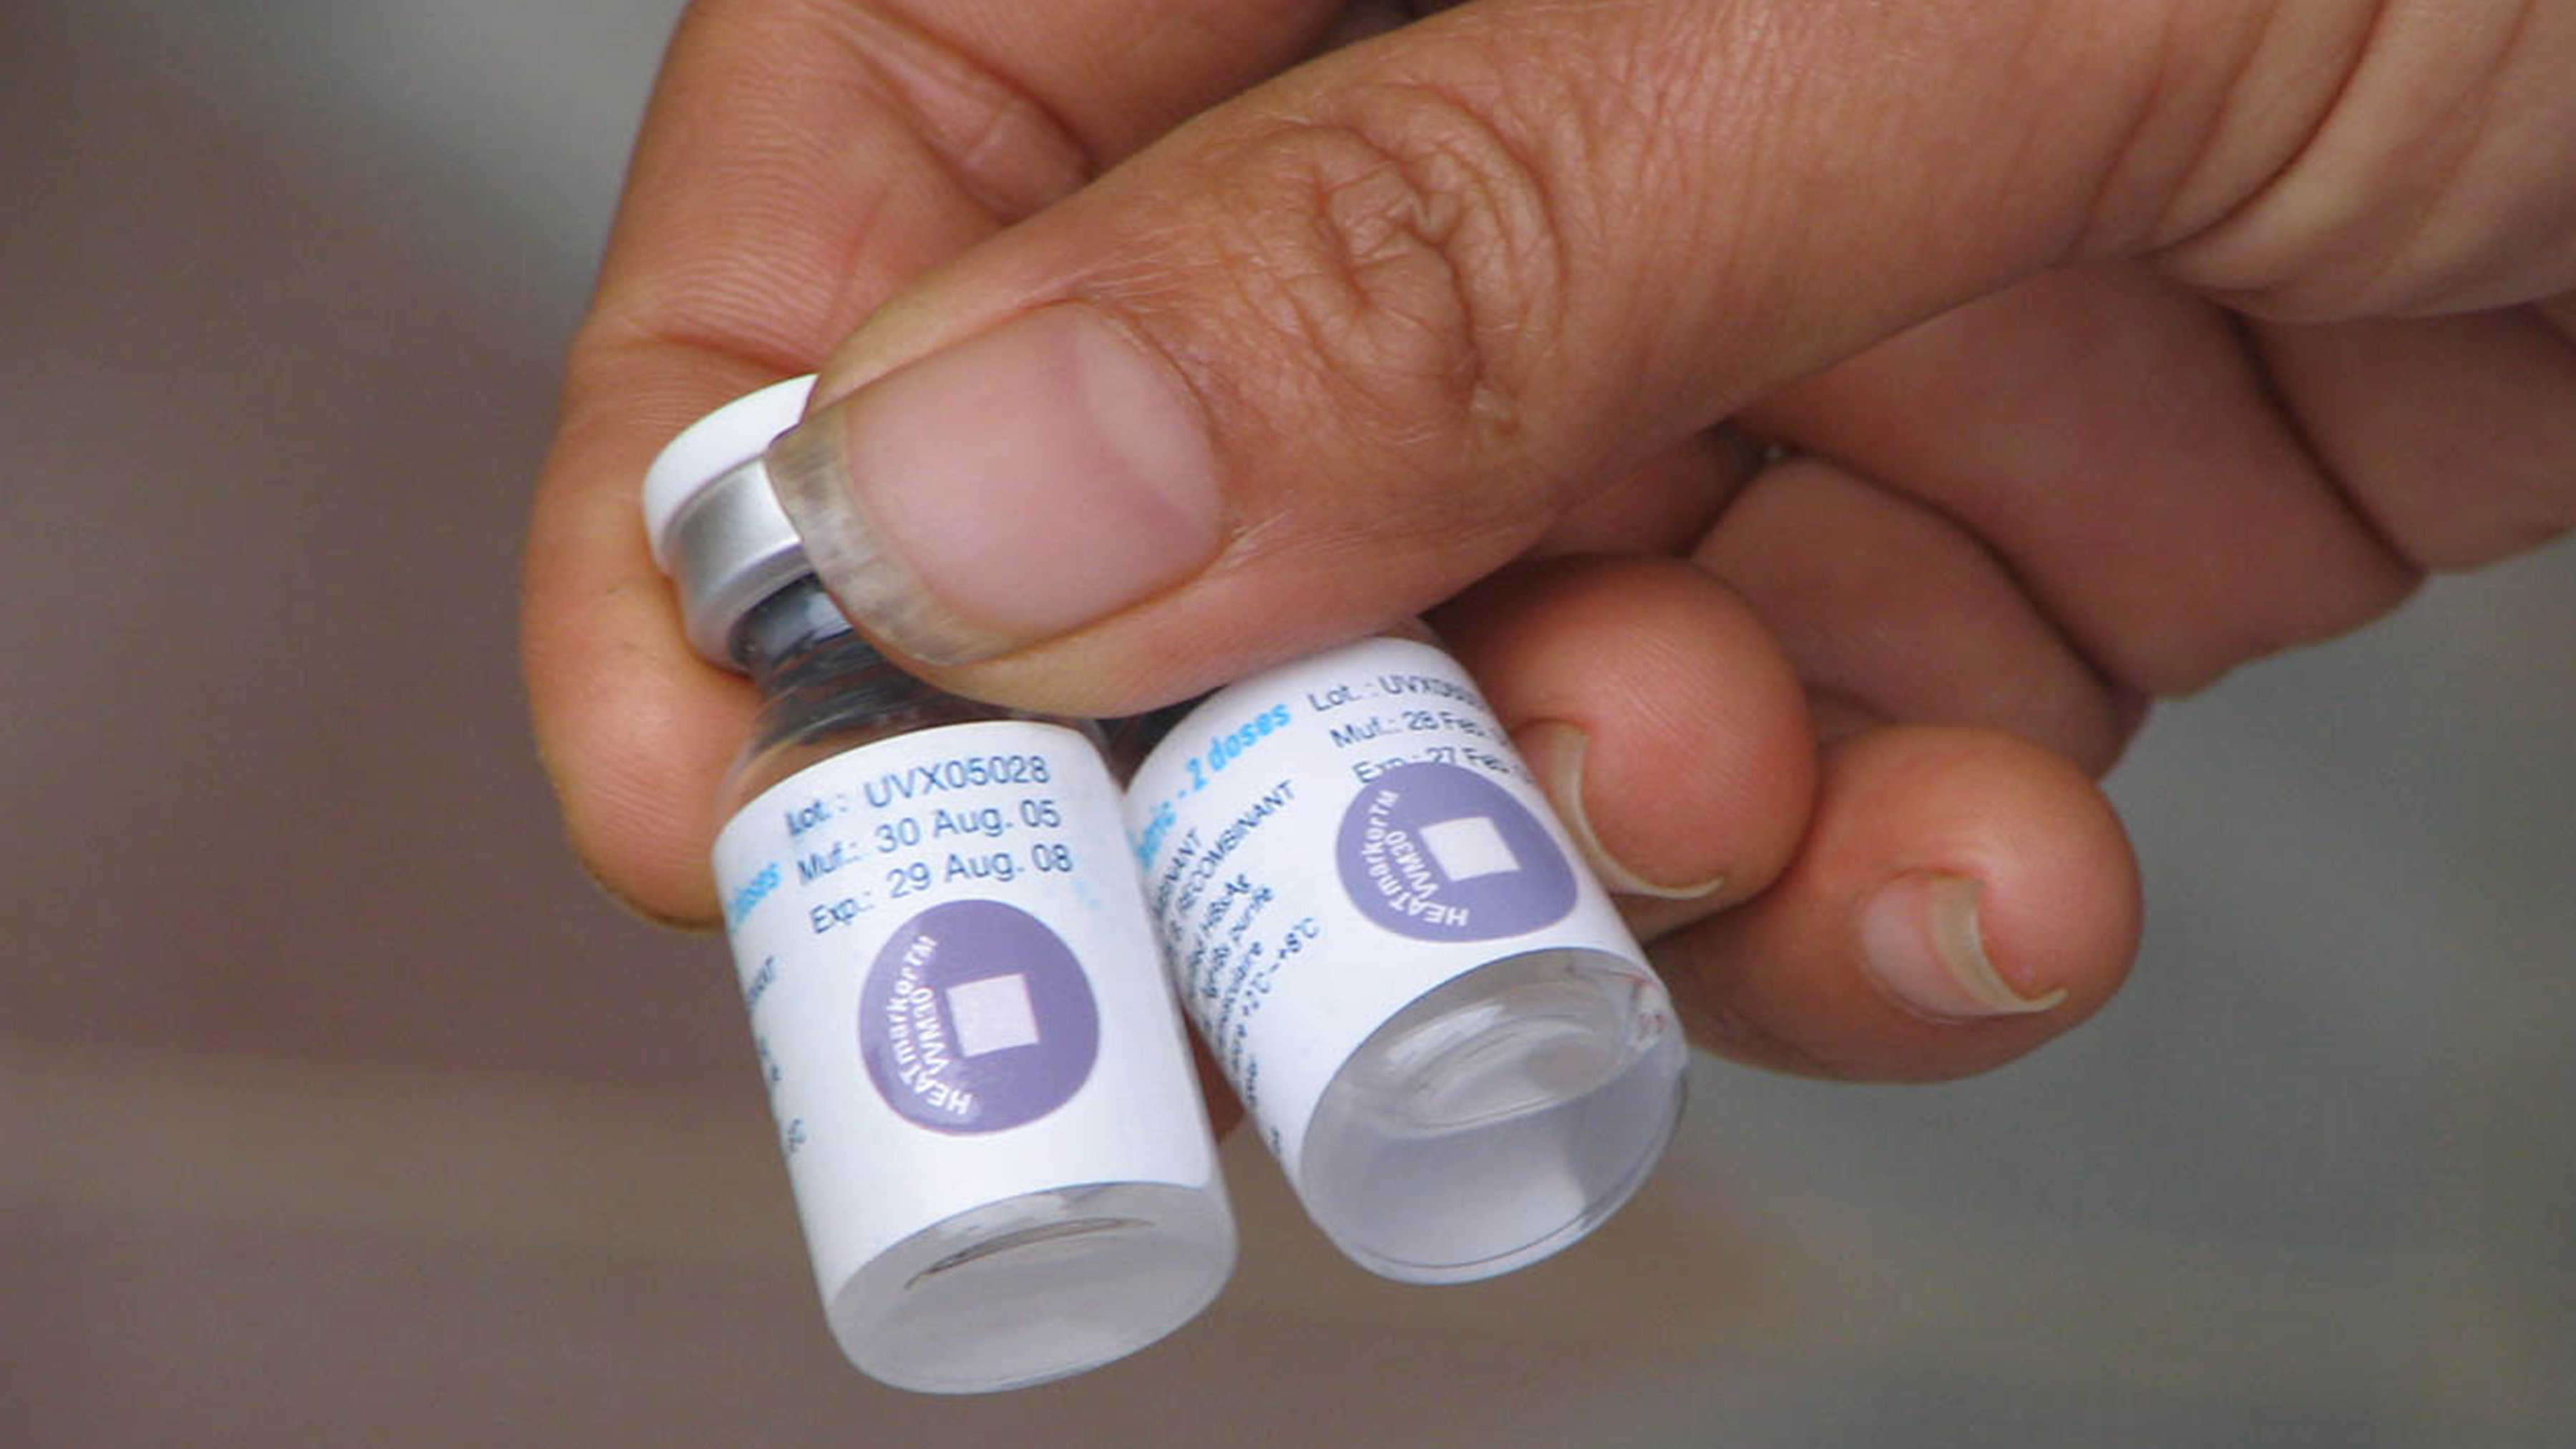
(982, 1086)
(1433, 1013)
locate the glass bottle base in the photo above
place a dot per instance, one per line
(1035, 1288)
(1496, 1119)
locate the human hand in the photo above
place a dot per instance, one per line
(2110, 345)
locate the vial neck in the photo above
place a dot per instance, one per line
(823, 686)
(798, 636)
(819, 679)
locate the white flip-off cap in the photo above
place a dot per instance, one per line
(715, 525)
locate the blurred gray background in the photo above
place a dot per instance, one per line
(335, 1107)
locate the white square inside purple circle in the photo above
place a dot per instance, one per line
(1468, 847)
(992, 1014)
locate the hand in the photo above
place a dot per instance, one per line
(1833, 421)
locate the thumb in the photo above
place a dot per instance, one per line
(1335, 349)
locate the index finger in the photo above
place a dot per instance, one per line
(801, 160)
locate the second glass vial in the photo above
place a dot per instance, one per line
(1431, 1010)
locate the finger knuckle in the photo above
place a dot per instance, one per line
(2389, 167)
(1403, 248)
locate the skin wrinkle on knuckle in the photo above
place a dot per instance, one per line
(1005, 146)
(995, 135)
(1402, 251)
(2406, 192)
(2209, 113)
(2479, 217)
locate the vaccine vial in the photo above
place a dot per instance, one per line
(1432, 1012)
(982, 1086)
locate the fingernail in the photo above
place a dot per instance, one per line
(1554, 752)
(1921, 945)
(1006, 490)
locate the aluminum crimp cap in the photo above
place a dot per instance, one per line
(715, 524)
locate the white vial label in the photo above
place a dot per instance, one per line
(955, 993)
(1326, 842)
